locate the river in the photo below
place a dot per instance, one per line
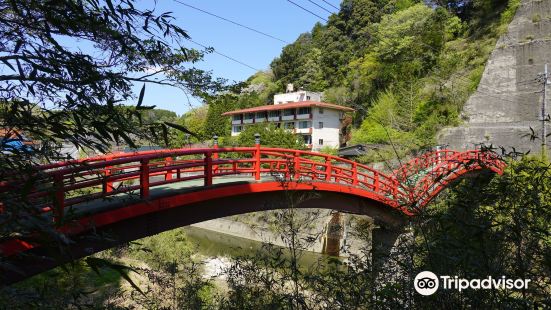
(219, 249)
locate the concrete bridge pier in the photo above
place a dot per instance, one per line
(334, 235)
(390, 252)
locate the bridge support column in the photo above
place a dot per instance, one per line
(334, 234)
(391, 260)
(383, 241)
(390, 253)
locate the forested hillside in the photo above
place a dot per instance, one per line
(406, 66)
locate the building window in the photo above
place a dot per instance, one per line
(290, 125)
(249, 116)
(304, 110)
(237, 117)
(303, 124)
(320, 125)
(320, 141)
(307, 139)
(273, 114)
(237, 128)
(321, 110)
(308, 97)
(288, 112)
(260, 114)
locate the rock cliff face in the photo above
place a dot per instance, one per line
(508, 100)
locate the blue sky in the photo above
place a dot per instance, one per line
(278, 18)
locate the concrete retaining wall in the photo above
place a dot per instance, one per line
(507, 103)
(262, 234)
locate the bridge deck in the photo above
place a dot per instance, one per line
(123, 199)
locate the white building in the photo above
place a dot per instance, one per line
(319, 123)
(297, 96)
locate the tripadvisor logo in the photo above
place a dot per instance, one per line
(427, 283)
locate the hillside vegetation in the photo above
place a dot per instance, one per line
(406, 66)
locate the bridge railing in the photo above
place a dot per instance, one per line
(61, 185)
(423, 178)
(422, 163)
(320, 167)
(58, 186)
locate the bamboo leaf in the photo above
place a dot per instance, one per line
(182, 129)
(140, 99)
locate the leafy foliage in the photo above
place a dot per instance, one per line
(195, 121)
(163, 249)
(429, 57)
(50, 88)
(270, 136)
(68, 68)
(492, 227)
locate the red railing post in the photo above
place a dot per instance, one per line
(376, 181)
(297, 165)
(328, 169)
(257, 157)
(215, 154)
(144, 178)
(355, 173)
(208, 168)
(59, 198)
(107, 172)
(168, 173)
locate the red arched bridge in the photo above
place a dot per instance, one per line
(132, 195)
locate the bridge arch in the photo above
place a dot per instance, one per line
(134, 221)
(265, 175)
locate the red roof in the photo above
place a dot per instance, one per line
(291, 105)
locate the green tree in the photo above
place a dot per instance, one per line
(195, 121)
(52, 88)
(158, 115)
(312, 73)
(270, 136)
(383, 123)
(289, 66)
(263, 83)
(409, 41)
(216, 123)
